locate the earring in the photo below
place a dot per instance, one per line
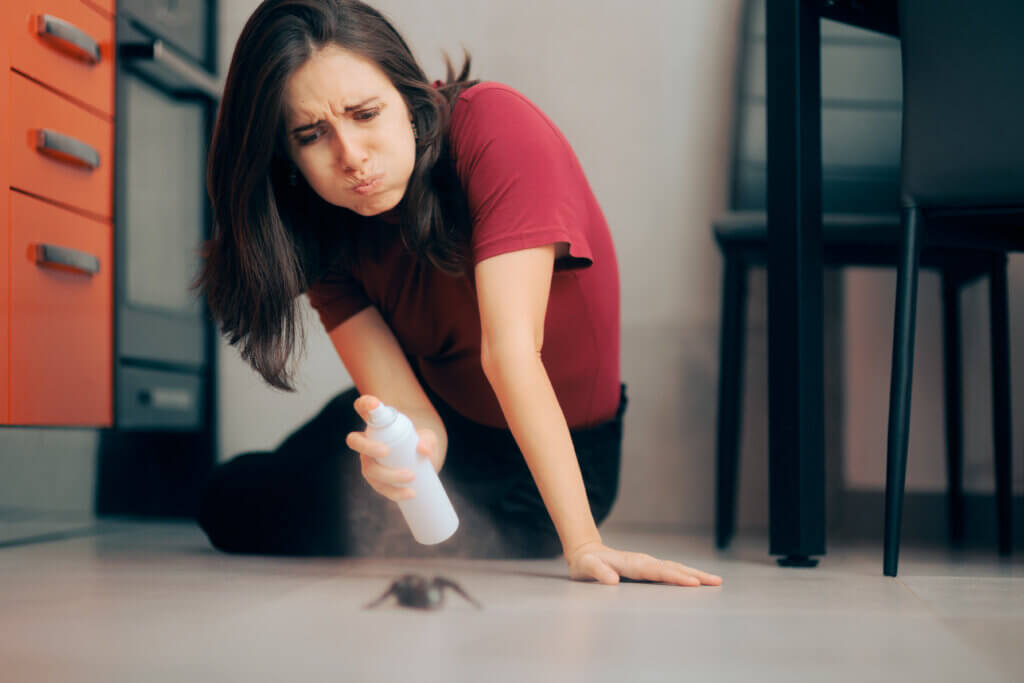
(293, 177)
(415, 133)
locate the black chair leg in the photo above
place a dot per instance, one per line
(899, 392)
(730, 394)
(954, 403)
(1000, 334)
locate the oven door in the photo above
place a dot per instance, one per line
(165, 105)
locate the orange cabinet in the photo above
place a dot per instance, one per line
(6, 10)
(69, 46)
(61, 327)
(56, 198)
(58, 150)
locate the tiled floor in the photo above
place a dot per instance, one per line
(151, 603)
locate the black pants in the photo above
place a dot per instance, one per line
(309, 498)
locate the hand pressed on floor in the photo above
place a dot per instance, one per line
(596, 561)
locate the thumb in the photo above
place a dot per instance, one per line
(428, 441)
(601, 571)
(364, 404)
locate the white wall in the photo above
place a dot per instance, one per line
(870, 306)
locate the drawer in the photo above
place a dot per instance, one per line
(5, 318)
(61, 316)
(43, 167)
(52, 60)
(157, 399)
(5, 181)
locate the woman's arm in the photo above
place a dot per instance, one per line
(372, 356)
(512, 335)
(512, 290)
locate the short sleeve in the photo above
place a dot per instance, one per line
(524, 185)
(336, 297)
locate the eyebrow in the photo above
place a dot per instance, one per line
(351, 107)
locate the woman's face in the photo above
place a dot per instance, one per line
(346, 124)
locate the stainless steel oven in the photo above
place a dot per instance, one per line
(163, 442)
(166, 98)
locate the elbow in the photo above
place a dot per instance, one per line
(501, 363)
(486, 364)
(489, 363)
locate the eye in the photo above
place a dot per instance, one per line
(306, 139)
(365, 115)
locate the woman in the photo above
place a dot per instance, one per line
(448, 239)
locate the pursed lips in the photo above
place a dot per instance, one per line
(367, 181)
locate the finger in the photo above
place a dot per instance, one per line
(644, 567)
(427, 443)
(364, 404)
(706, 578)
(685, 576)
(359, 442)
(594, 566)
(395, 493)
(391, 491)
(385, 475)
(678, 577)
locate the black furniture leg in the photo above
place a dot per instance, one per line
(796, 413)
(899, 391)
(954, 402)
(1002, 436)
(730, 393)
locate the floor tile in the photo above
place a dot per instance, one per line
(155, 602)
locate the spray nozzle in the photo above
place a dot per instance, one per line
(382, 416)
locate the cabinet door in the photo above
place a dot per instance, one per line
(61, 316)
(6, 12)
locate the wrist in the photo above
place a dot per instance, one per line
(578, 544)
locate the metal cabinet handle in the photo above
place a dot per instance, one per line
(50, 26)
(166, 398)
(65, 147)
(50, 255)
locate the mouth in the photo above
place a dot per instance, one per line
(368, 185)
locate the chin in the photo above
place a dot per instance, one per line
(371, 206)
(382, 203)
(365, 209)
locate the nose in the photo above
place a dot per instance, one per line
(350, 150)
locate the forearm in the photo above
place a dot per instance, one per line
(536, 420)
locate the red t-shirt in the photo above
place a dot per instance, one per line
(525, 188)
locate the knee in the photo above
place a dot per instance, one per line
(219, 504)
(211, 504)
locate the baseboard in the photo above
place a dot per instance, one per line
(925, 518)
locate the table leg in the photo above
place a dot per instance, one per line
(795, 316)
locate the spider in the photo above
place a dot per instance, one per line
(413, 590)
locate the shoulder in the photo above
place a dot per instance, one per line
(489, 111)
(489, 91)
(491, 97)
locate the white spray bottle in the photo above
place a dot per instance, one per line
(430, 514)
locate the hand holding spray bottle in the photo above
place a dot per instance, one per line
(430, 514)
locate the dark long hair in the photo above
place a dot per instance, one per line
(272, 239)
